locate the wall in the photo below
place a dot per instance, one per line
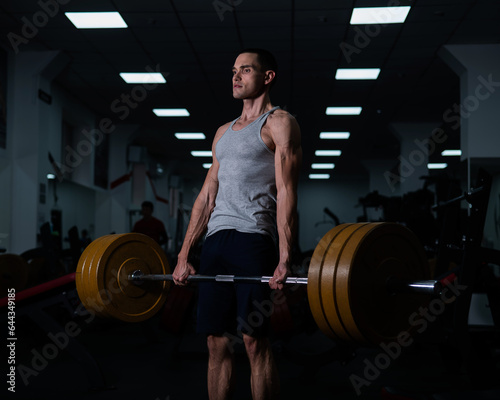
(35, 128)
(77, 205)
(341, 198)
(76, 197)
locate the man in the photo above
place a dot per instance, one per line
(150, 225)
(247, 206)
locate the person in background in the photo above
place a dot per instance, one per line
(149, 225)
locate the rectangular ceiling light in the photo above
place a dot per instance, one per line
(323, 166)
(334, 135)
(379, 15)
(171, 112)
(143, 77)
(357, 73)
(451, 153)
(96, 20)
(319, 176)
(190, 136)
(343, 110)
(201, 153)
(207, 165)
(323, 153)
(437, 165)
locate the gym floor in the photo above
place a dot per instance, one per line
(145, 361)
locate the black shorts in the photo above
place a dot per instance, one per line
(229, 307)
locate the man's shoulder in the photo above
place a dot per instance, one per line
(281, 113)
(281, 117)
(281, 120)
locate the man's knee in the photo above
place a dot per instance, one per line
(218, 346)
(255, 346)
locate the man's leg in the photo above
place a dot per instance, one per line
(264, 379)
(216, 310)
(220, 368)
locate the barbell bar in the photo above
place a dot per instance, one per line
(364, 280)
(427, 287)
(138, 277)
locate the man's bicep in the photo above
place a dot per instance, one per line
(288, 150)
(287, 137)
(293, 130)
(211, 184)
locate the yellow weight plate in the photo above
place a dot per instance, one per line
(372, 255)
(323, 252)
(121, 298)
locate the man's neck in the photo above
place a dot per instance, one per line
(253, 108)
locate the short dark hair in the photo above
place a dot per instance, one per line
(147, 204)
(266, 60)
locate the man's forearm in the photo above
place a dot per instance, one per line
(286, 220)
(196, 228)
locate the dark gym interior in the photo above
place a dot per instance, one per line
(81, 149)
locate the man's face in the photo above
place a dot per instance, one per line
(248, 79)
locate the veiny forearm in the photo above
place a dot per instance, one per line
(288, 164)
(200, 215)
(196, 228)
(286, 220)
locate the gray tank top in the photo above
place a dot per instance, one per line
(246, 198)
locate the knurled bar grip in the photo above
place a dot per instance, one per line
(429, 287)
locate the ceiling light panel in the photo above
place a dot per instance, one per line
(379, 15)
(171, 112)
(96, 20)
(334, 135)
(190, 135)
(323, 166)
(357, 73)
(343, 110)
(437, 165)
(326, 153)
(201, 153)
(319, 176)
(448, 153)
(143, 77)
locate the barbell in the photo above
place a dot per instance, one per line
(393, 285)
(363, 283)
